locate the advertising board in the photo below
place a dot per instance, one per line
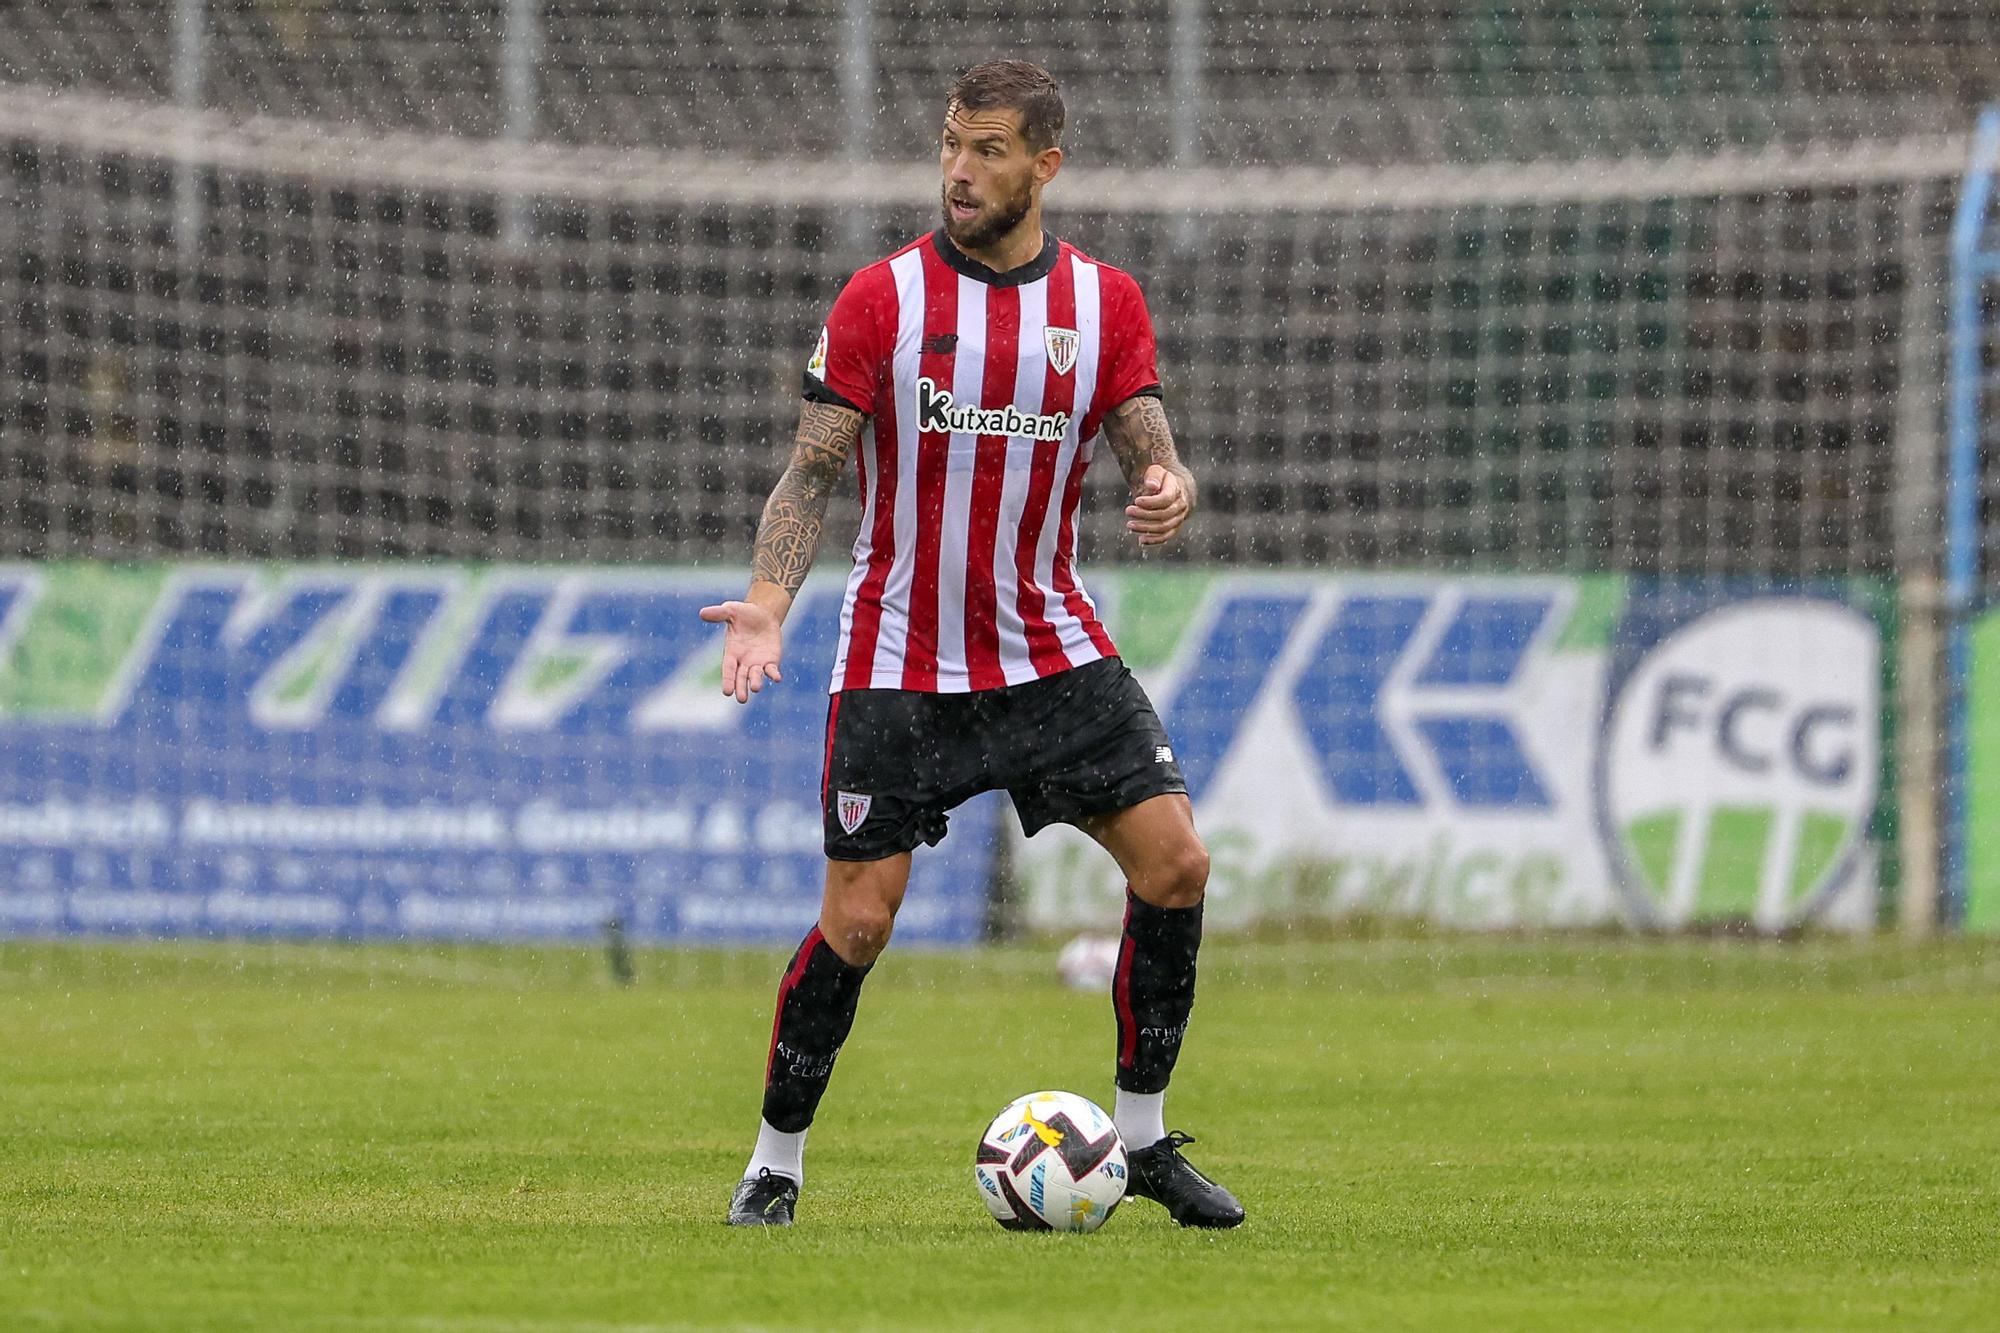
(418, 751)
(1505, 752)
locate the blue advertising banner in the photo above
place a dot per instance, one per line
(421, 752)
(1503, 752)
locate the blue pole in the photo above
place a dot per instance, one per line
(1961, 495)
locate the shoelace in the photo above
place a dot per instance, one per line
(1175, 1141)
(765, 1176)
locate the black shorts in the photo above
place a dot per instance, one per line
(1081, 742)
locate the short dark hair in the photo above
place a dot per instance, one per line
(1019, 86)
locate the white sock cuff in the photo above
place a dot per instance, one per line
(1140, 1117)
(784, 1154)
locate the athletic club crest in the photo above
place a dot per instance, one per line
(1062, 345)
(851, 808)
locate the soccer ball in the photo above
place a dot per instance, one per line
(1052, 1161)
(1087, 962)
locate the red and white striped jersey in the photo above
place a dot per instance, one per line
(984, 392)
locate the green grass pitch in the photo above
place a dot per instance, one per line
(1471, 1133)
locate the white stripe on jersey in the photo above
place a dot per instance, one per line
(894, 636)
(968, 377)
(1030, 375)
(1076, 644)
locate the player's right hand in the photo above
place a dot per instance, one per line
(751, 644)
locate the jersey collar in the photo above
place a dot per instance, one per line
(1033, 271)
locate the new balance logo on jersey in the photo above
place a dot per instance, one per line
(938, 412)
(1163, 754)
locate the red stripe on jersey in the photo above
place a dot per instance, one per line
(933, 455)
(882, 533)
(989, 474)
(1129, 360)
(1045, 651)
(1064, 573)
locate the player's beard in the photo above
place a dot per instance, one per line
(986, 229)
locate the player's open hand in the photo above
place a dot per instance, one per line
(1160, 507)
(751, 644)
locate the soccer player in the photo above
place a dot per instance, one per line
(970, 374)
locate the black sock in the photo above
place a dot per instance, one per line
(1153, 990)
(815, 1010)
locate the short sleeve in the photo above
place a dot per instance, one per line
(1132, 361)
(845, 361)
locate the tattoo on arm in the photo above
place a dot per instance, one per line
(788, 537)
(1140, 437)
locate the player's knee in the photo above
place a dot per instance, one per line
(1183, 879)
(861, 933)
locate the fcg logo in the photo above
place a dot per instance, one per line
(1740, 761)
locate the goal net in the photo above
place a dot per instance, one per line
(1699, 366)
(1488, 386)
(1389, 82)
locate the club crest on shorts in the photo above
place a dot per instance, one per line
(1062, 345)
(850, 808)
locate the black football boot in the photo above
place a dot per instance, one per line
(1160, 1173)
(764, 1200)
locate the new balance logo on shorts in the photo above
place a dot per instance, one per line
(851, 809)
(1163, 754)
